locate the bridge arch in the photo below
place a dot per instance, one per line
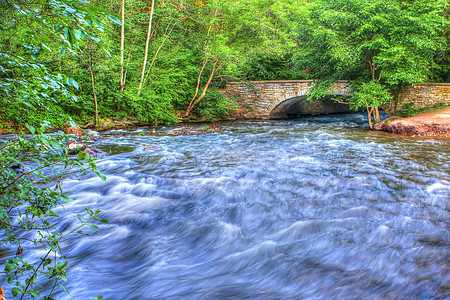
(298, 106)
(283, 108)
(301, 93)
(264, 99)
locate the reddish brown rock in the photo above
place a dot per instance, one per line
(90, 151)
(425, 124)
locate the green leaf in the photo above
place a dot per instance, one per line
(9, 279)
(31, 128)
(46, 47)
(16, 291)
(71, 10)
(90, 212)
(26, 104)
(61, 264)
(75, 84)
(81, 155)
(101, 220)
(74, 37)
(93, 227)
(10, 267)
(95, 39)
(114, 19)
(102, 177)
(56, 145)
(64, 288)
(87, 156)
(51, 214)
(65, 198)
(81, 218)
(53, 246)
(107, 52)
(34, 293)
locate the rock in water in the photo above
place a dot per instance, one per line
(90, 152)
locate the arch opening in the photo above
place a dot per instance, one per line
(298, 106)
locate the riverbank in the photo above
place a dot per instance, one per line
(435, 123)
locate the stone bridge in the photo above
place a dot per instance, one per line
(283, 98)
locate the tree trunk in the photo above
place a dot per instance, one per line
(196, 88)
(167, 34)
(127, 64)
(146, 46)
(122, 47)
(369, 115)
(95, 96)
(377, 114)
(211, 76)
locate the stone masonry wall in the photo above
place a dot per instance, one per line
(422, 96)
(261, 97)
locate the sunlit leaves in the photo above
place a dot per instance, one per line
(392, 42)
(33, 33)
(371, 94)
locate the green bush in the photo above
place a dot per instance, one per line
(32, 172)
(408, 109)
(215, 105)
(150, 106)
(441, 105)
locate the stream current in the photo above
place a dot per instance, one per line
(312, 208)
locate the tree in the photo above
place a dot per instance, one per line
(33, 169)
(393, 43)
(91, 52)
(152, 9)
(227, 31)
(122, 45)
(32, 35)
(370, 95)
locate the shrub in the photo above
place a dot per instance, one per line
(32, 172)
(215, 105)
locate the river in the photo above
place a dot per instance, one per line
(312, 208)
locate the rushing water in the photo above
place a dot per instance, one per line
(315, 208)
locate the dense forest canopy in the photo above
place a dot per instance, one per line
(163, 60)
